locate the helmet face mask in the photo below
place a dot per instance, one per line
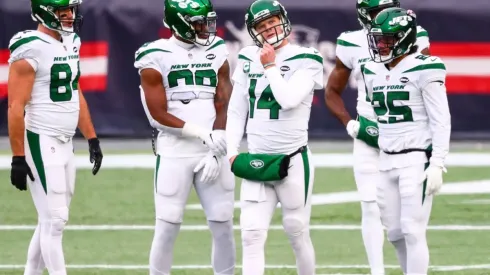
(193, 21)
(267, 21)
(54, 15)
(393, 34)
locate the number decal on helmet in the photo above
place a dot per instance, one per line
(185, 3)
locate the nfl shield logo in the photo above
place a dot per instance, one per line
(387, 78)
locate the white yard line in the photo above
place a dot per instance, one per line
(340, 160)
(316, 227)
(187, 267)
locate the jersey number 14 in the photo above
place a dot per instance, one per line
(266, 101)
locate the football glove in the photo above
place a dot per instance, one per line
(433, 174)
(353, 128)
(20, 171)
(211, 166)
(95, 154)
(214, 140)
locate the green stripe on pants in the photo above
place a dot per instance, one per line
(306, 167)
(35, 148)
(156, 172)
(425, 184)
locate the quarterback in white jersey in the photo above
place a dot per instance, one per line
(185, 89)
(43, 82)
(352, 54)
(408, 94)
(273, 88)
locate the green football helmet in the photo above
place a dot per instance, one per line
(367, 10)
(260, 10)
(45, 12)
(191, 20)
(393, 33)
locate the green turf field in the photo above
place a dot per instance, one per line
(110, 227)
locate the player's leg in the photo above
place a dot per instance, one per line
(390, 204)
(415, 212)
(35, 263)
(257, 205)
(366, 173)
(295, 197)
(217, 199)
(49, 157)
(172, 184)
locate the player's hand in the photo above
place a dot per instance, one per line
(232, 159)
(20, 171)
(211, 166)
(267, 54)
(219, 141)
(433, 174)
(353, 128)
(95, 154)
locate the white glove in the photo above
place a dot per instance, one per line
(214, 140)
(433, 174)
(211, 166)
(353, 128)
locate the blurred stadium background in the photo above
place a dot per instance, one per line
(112, 214)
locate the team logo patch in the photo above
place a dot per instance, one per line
(210, 56)
(285, 68)
(246, 67)
(372, 131)
(404, 79)
(257, 163)
(75, 49)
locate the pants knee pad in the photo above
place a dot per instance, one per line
(293, 226)
(221, 212)
(59, 218)
(170, 213)
(370, 210)
(412, 230)
(254, 238)
(394, 234)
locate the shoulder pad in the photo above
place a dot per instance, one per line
(158, 46)
(217, 44)
(348, 39)
(304, 53)
(426, 62)
(248, 53)
(25, 39)
(421, 32)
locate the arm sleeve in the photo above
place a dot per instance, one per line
(28, 53)
(342, 52)
(289, 94)
(437, 108)
(237, 117)
(146, 59)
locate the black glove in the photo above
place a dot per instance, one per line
(95, 154)
(20, 171)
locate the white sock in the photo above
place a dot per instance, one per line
(224, 252)
(35, 263)
(373, 236)
(161, 253)
(401, 253)
(303, 251)
(253, 242)
(417, 253)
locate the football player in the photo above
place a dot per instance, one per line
(43, 82)
(408, 95)
(352, 53)
(185, 90)
(273, 88)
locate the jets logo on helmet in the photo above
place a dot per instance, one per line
(393, 34)
(191, 20)
(47, 13)
(368, 9)
(261, 10)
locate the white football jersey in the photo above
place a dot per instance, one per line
(54, 106)
(353, 50)
(271, 129)
(400, 106)
(190, 78)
